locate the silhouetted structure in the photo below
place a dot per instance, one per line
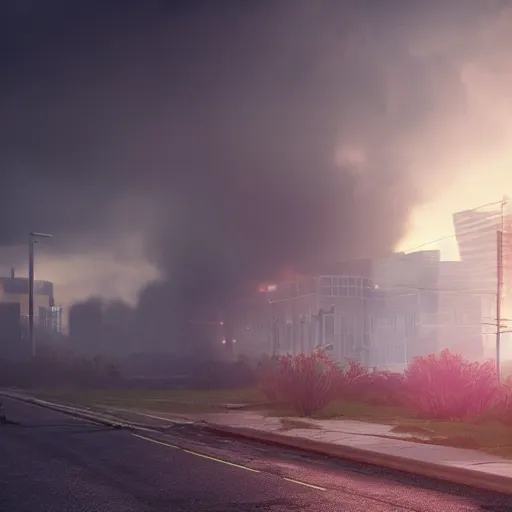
(11, 343)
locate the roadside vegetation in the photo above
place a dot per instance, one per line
(439, 399)
(436, 387)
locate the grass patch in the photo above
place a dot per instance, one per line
(172, 401)
(292, 424)
(383, 415)
(485, 435)
(386, 415)
(490, 437)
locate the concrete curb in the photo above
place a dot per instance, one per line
(70, 411)
(463, 476)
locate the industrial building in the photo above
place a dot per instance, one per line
(16, 289)
(427, 308)
(302, 314)
(14, 301)
(476, 234)
(381, 312)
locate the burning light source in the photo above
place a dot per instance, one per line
(223, 342)
(267, 288)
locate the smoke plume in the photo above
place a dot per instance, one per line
(210, 145)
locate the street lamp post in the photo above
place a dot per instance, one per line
(32, 241)
(302, 322)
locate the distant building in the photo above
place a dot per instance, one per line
(381, 312)
(51, 318)
(428, 308)
(15, 290)
(308, 312)
(407, 324)
(86, 325)
(459, 312)
(476, 234)
(11, 345)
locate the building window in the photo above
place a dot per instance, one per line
(326, 286)
(429, 301)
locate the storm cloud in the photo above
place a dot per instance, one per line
(210, 145)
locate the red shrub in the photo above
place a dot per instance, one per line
(448, 387)
(307, 383)
(385, 388)
(268, 377)
(353, 381)
(358, 384)
(503, 410)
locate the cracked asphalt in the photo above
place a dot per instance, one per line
(53, 462)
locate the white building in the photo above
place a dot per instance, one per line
(476, 233)
(427, 309)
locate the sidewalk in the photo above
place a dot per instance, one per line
(358, 441)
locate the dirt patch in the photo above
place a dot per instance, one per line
(292, 424)
(455, 442)
(429, 436)
(412, 429)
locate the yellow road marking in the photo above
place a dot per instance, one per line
(156, 442)
(221, 461)
(196, 453)
(232, 464)
(318, 488)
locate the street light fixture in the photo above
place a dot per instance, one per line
(32, 241)
(324, 348)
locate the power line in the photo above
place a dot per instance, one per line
(429, 243)
(495, 203)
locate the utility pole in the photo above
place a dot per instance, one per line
(302, 322)
(275, 335)
(32, 339)
(31, 242)
(321, 325)
(499, 285)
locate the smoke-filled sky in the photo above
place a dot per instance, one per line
(206, 143)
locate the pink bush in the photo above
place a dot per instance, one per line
(268, 379)
(448, 387)
(503, 410)
(443, 386)
(358, 384)
(353, 381)
(386, 388)
(307, 383)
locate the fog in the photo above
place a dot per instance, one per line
(179, 153)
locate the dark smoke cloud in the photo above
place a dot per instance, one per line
(231, 139)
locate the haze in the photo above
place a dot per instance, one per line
(211, 145)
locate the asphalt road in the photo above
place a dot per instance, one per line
(53, 462)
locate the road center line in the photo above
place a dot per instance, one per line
(232, 464)
(197, 454)
(318, 488)
(221, 461)
(156, 442)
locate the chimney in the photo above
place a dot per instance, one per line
(13, 274)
